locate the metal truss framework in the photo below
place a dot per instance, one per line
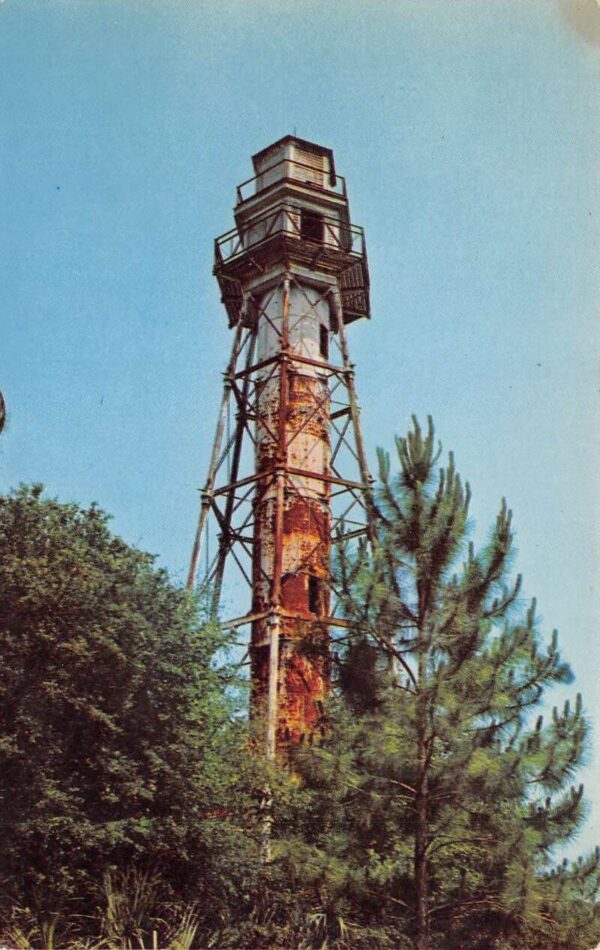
(234, 486)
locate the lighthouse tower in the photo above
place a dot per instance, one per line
(293, 274)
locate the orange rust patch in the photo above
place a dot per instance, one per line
(303, 692)
(303, 675)
(294, 592)
(308, 407)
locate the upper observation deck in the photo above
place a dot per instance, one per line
(293, 213)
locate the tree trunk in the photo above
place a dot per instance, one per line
(421, 869)
(422, 797)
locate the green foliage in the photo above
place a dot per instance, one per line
(132, 815)
(445, 799)
(118, 748)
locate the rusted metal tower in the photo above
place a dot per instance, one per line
(289, 476)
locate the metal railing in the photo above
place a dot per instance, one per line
(286, 220)
(290, 170)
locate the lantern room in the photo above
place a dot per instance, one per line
(294, 213)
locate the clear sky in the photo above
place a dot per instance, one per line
(468, 134)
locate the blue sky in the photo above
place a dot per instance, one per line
(468, 134)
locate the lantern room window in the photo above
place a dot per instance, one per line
(311, 225)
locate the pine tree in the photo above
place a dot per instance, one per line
(451, 791)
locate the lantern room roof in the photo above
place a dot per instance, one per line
(302, 144)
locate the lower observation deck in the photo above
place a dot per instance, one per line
(293, 235)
